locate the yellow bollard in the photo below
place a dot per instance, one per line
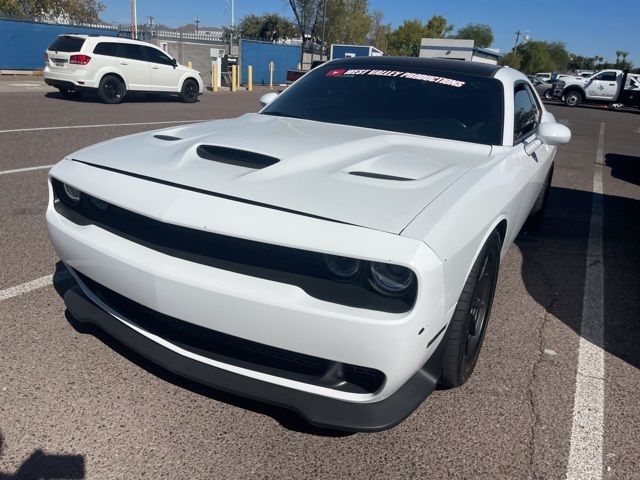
(250, 78)
(214, 77)
(189, 64)
(271, 69)
(234, 78)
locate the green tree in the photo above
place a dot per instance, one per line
(512, 59)
(540, 56)
(269, 26)
(380, 31)
(481, 34)
(307, 13)
(81, 11)
(405, 40)
(621, 60)
(348, 21)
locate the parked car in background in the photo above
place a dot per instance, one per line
(601, 87)
(544, 76)
(113, 66)
(335, 254)
(544, 89)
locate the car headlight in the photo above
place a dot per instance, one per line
(391, 280)
(561, 84)
(342, 267)
(71, 195)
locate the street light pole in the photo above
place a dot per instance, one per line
(324, 22)
(134, 20)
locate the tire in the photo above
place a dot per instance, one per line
(548, 94)
(189, 92)
(573, 99)
(111, 89)
(534, 220)
(469, 323)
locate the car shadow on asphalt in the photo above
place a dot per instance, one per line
(286, 418)
(555, 262)
(624, 167)
(130, 97)
(44, 466)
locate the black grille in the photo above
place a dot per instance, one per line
(239, 352)
(292, 266)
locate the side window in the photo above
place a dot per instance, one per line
(130, 50)
(607, 77)
(105, 48)
(156, 56)
(525, 111)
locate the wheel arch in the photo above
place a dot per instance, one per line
(189, 76)
(113, 74)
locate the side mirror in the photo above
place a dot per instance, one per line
(267, 98)
(549, 133)
(174, 62)
(553, 134)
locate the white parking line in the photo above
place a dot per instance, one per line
(26, 169)
(585, 454)
(66, 127)
(33, 285)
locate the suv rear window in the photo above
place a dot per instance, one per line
(66, 43)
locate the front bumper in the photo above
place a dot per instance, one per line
(317, 410)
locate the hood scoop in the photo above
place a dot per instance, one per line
(168, 138)
(381, 176)
(232, 156)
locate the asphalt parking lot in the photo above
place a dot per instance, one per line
(76, 404)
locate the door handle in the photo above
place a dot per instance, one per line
(124, 63)
(612, 84)
(155, 68)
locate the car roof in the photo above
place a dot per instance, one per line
(452, 66)
(109, 38)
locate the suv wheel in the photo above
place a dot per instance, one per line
(548, 94)
(111, 89)
(572, 99)
(469, 322)
(189, 93)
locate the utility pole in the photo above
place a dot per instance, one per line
(197, 22)
(518, 33)
(324, 22)
(134, 20)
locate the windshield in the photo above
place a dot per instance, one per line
(421, 102)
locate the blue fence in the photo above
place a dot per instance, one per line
(259, 54)
(22, 43)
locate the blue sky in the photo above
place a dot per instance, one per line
(588, 27)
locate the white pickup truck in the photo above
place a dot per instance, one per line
(601, 87)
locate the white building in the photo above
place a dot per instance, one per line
(457, 50)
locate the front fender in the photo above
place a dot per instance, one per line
(457, 223)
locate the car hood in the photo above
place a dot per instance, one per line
(371, 178)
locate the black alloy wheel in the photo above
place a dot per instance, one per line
(468, 325)
(111, 89)
(189, 92)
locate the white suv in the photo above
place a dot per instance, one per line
(112, 66)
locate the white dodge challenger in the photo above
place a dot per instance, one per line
(335, 254)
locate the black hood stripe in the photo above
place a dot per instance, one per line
(213, 194)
